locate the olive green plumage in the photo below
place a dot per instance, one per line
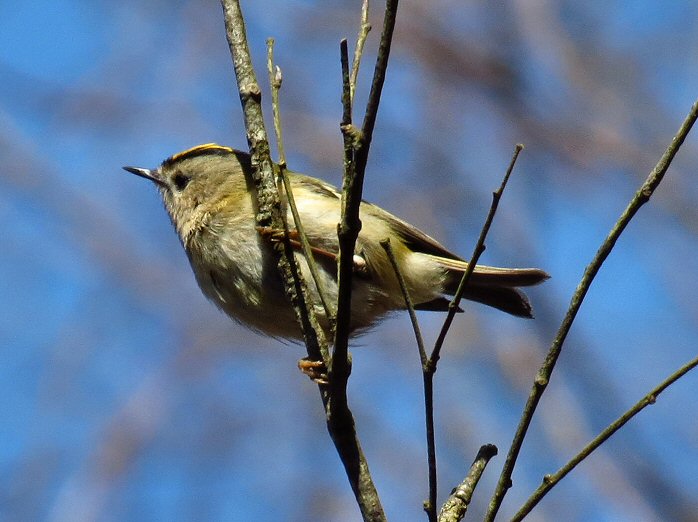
(209, 196)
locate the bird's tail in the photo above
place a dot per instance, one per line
(493, 286)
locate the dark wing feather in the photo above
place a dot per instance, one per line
(414, 238)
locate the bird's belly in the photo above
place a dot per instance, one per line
(245, 283)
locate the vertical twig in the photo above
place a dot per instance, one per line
(340, 421)
(428, 384)
(429, 364)
(345, 265)
(275, 79)
(429, 368)
(364, 29)
(352, 188)
(340, 363)
(339, 418)
(269, 206)
(542, 379)
(430, 503)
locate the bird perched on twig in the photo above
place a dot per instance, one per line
(209, 195)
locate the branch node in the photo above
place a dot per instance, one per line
(251, 91)
(354, 134)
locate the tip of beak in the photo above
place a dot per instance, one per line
(138, 171)
(144, 173)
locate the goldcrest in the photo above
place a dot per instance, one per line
(209, 195)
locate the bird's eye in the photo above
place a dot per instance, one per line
(180, 181)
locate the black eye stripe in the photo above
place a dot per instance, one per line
(180, 181)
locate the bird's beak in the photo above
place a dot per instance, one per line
(152, 175)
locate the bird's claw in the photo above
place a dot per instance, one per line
(315, 370)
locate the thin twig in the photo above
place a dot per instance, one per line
(364, 29)
(477, 252)
(430, 503)
(269, 205)
(345, 262)
(385, 243)
(457, 503)
(429, 369)
(376, 90)
(352, 188)
(339, 418)
(275, 79)
(542, 379)
(428, 384)
(341, 428)
(549, 481)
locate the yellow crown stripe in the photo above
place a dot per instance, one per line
(199, 149)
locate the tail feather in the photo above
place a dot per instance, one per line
(510, 300)
(492, 275)
(493, 286)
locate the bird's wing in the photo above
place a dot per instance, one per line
(414, 239)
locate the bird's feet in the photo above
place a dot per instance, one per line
(316, 370)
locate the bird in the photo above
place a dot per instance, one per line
(209, 196)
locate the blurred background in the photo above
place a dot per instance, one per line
(125, 395)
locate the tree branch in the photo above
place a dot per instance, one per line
(430, 503)
(364, 29)
(457, 503)
(542, 379)
(549, 481)
(269, 206)
(352, 188)
(429, 363)
(275, 79)
(477, 252)
(339, 419)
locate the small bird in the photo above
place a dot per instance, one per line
(209, 196)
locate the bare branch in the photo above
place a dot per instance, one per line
(457, 503)
(364, 29)
(275, 79)
(477, 252)
(269, 206)
(352, 188)
(429, 366)
(430, 503)
(542, 379)
(339, 418)
(549, 481)
(408, 300)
